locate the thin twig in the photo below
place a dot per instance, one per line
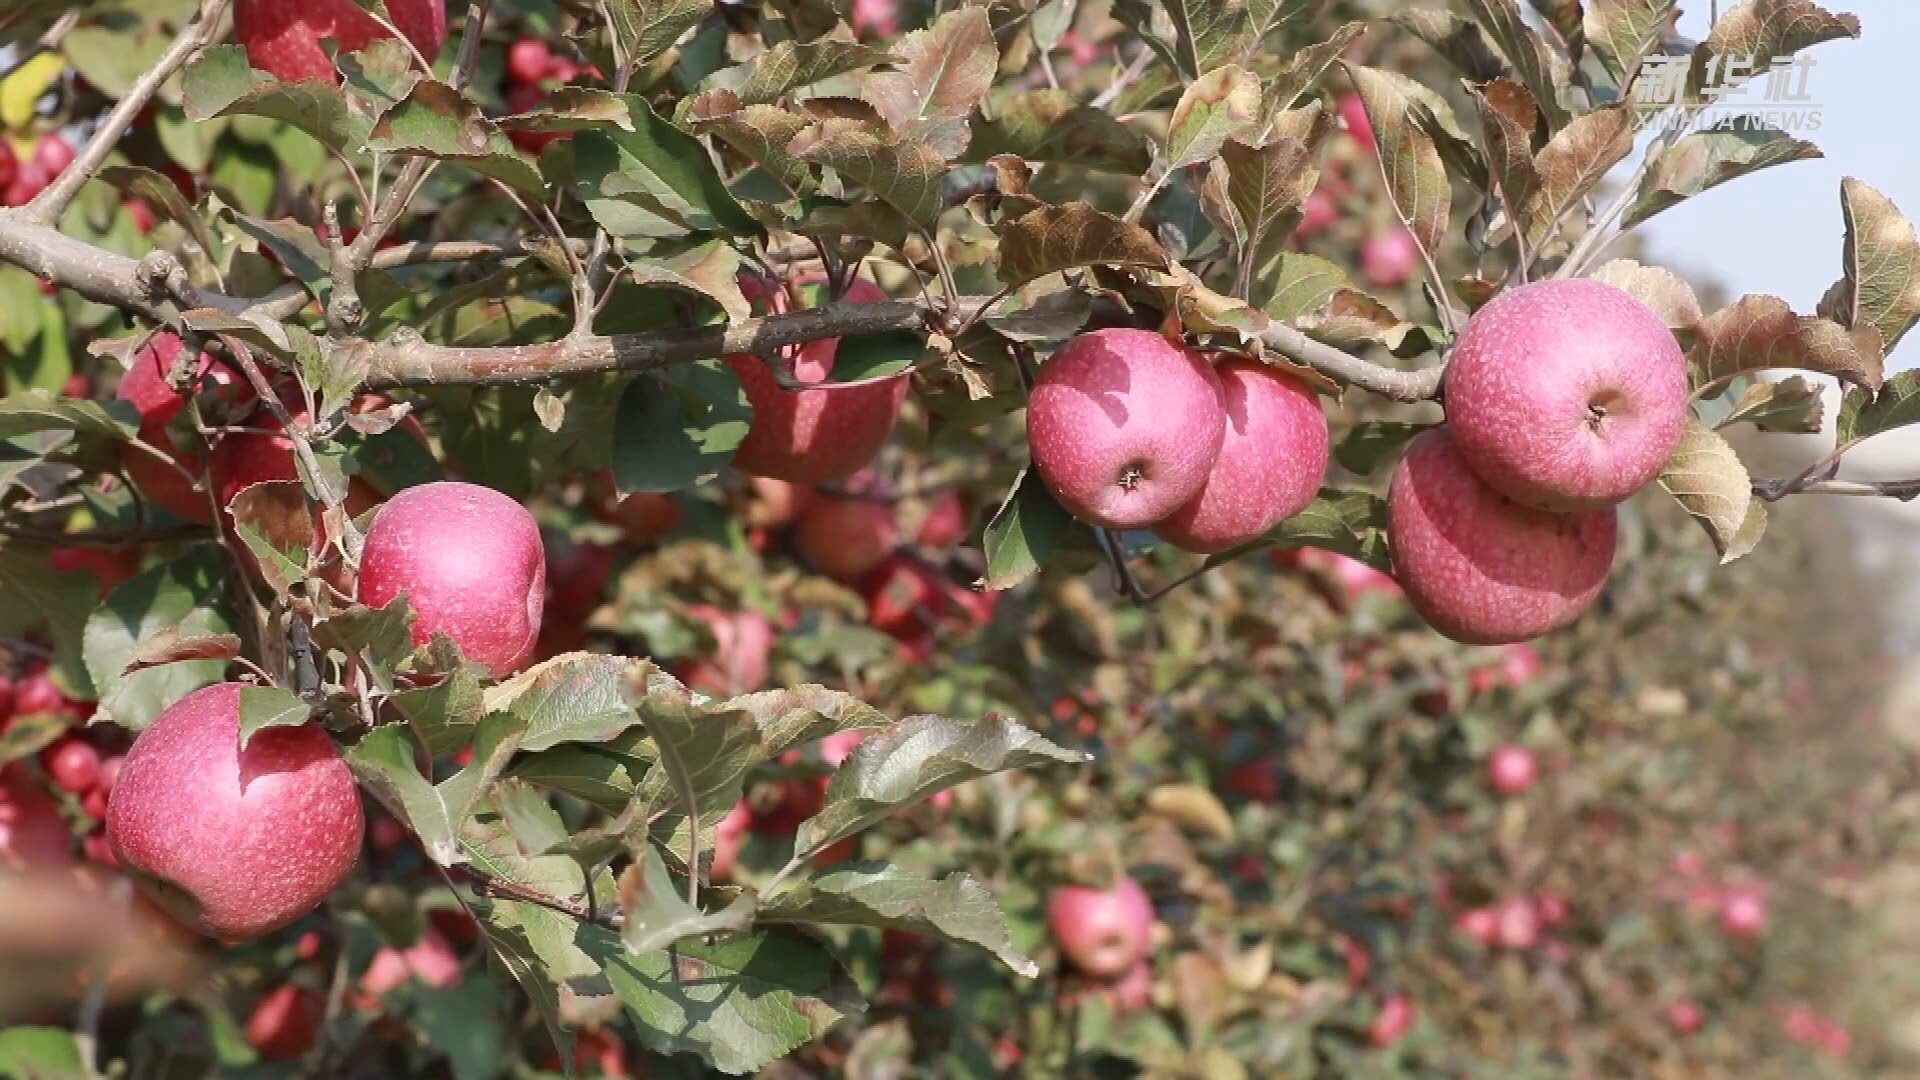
(47, 206)
(477, 12)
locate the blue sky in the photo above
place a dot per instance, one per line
(1779, 231)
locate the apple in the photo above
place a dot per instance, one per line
(1800, 1023)
(1317, 214)
(72, 764)
(107, 566)
(1480, 924)
(643, 516)
(777, 809)
(945, 522)
(728, 836)
(1519, 664)
(528, 60)
(1353, 112)
(1516, 923)
(1566, 394)
(1684, 1017)
(32, 833)
(1552, 908)
(1124, 426)
(431, 959)
(1102, 932)
(906, 596)
(1512, 769)
(742, 641)
(283, 1023)
(845, 537)
(140, 214)
(598, 1051)
(283, 37)
(773, 503)
(819, 435)
(36, 693)
(1392, 1021)
(1481, 568)
(1261, 779)
(471, 564)
(233, 843)
(1271, 461)
(1387, 259)
(1743, 911)
(145, 385)
(875, 18)
(1359, 961)
(1132, 991)
(53, 154)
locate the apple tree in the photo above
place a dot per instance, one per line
(995, 538)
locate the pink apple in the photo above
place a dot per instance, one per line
(234, 844)
(1685, 1017)
(72, 764)
(1271, 461)
(1387, 259)
(1480, 924)
(32, 833)
(1743, 911)
(1124, 426)
(145, 385)
(875, 18)
(1516, 923)
(284, 1022)
(1132, 991)
(1353, 112)
(1317, 214)
(1481, 568)
(643, 516)
(431, 959)
(845, 537)
(1512, 769)
(742, 641)
(528, 60)
(813, 436)
(284, 37)
(772, 504)
(1102, 932)
(469, 560)
(1552, 907)
(1566, 394)
(945, 523)
(1392, 1021)
(728, 836)
(1519, 664)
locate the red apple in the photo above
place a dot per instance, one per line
(1480, 924)
(1684, 1017)
(1566, 394)
(772, 503)
(875, 18)
(1516, 923)
(1317, 214)
(53, 154)
(528, 60)
(846, 537)
(431, 959)
(107, 566)
(1519, 664)
(1271, 462)
(1353, 112)
(945, 523)
(1552, 908)
(36, 694)
(471, 564)
(1387, 259)
(283, 1024)
(233, 843)
(73, 765)
(1512, 769)
(1743, 911)
(32, 833)
(1124, 426)
(1480, 568)
(145, 384)
(727, 838)
(643, 516)
(813, 436)
(1102, 932)
(283, 37)
(742, 641)
(1392, 1021)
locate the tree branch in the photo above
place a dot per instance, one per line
(47, 206)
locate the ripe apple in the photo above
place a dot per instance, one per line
(1512, 769)
(742, 641)
(528, 60)
(1387, 259)
(875, 18)
(1359, 125)
(431, 958)
(1271, 462)
(32, 833)
(643, 516)
(1392, 1021)
(145, 385)
(108, 567)
(72, 764)
(1566, 394)
(1519, 664)
(1124, 426)
(906, 597)
(945, 523)
(53, 153)
(1102, 932)
(1516, 923)
(820, 435)
(1317, 214)
(1743, 911)
(283, 1024)
(1552, 908)
(1480, 924)
(233, 843)
(773, 503)
(728, 836)
(1481, 568)
(471, 564)
(1684, 1017)
(845, 537)
(282, 37)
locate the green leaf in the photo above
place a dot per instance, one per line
(904, 172)
(1307, 66)
(272, 519)
(944, 73)
(1351, 523)
(956, 908)
(1708, 479)
(434, 120)
(1864, 413)
(1050, 239)
(577, 697)
(385, 765)
(1051, 126)
(263, 707)
(1298, 283)
(657, 915)
(1205, 33)
(33, 595)
(1540, 68)
(1220, 105)
(1416, 177)
(160, 193)
(872, 356)
(1710, 158)
(760, 132)
(1266, 186)
(186, 597)
(383, 634)
(463, 1021)
(654, 181)
(1025, 532)
(24, 412)
(40, 1053)
(1461, 41)
(1788, 406)
(1759, 332)
(1623, 31)
(704, 754)
(1373, 443)
(1761, 31)
(678, 428)
(791, 65)
(607, 779)
(915, 758)
(1881, 288)
(644, 29)
(222, 83)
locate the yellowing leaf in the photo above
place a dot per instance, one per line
(24, 86)
(1710, 481)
